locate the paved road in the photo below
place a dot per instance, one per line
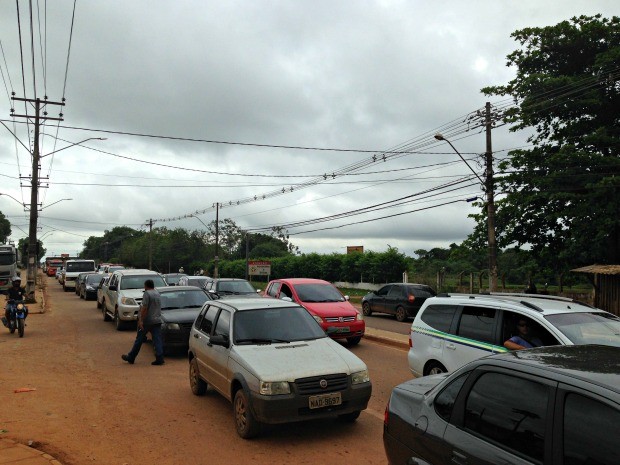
(90, 407)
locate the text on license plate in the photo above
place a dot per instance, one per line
(325, 400)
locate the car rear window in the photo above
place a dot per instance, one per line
(439, 317)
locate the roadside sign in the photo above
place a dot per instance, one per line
(355, 248)
(259, 268)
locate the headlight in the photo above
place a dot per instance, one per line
(274, 388)
(318, 319)
(359, 316)
(20, 306)
(360, 377)
(90, 288)
(128, 301)
(173, 326)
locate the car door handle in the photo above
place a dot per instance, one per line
(415, 461)
(451, 346)
(458, 458)
(197, 336)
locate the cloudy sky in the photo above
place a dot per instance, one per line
(210, 102)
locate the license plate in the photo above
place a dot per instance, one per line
(343, 329)
(325, 400)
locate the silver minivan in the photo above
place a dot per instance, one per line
(451, 330)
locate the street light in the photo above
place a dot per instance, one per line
(10, 196)
(69, 146)
(488, 190)
(54, 203)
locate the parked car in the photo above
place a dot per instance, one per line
(123, 295)
(400, 299)
(72, 269)
(198, 281)
(237, 347)
(79, 281)
(451, 330)
(551, 405)
(88, 288)
(110, 268)
(60, 275)
(222, 287)
(101, 289)
(180, 305)
(338, 318)
(172, 279)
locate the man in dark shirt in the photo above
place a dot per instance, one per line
(15, 292)
(149, 321)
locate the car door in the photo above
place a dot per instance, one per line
(378, 301)
(501, 417)
(394, 298)
(202, 335)
(110, 295)
(217, 369)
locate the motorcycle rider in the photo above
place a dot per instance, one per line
(16, 293)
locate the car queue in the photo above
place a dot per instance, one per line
(473, 400)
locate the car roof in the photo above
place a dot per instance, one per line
(596, 364)
(543, 304)
(303, 281)
(242, 304)
(139, 271)
(225, 279)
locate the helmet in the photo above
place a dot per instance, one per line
(17, 279)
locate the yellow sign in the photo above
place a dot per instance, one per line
(355, 248)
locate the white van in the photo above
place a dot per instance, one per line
(73, 268)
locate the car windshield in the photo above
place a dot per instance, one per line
(235, 287)
(94, 278)
(7, 258)
(112, 269)
(137, 282)
(174, 300)
(588, 328)
(271, 325)
(317, 292)
(72, 267)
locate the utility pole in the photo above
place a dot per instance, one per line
(490, 202)
(217, 238)
(151, 244)
(31, 279)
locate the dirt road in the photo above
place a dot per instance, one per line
(89, 407)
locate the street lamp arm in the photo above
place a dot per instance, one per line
(438, 136)
(69, 146)
(54, 203)
(7, 195)
(16, 138)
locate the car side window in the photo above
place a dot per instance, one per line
(588, 427)
(113, 281)
(383, 291)
(536, 330)
(273, 289)
(285, 291)
(396, 292)
(222, 327)
(439, 317)
(444, 401)
(509, 411)
(478, 323)
(207, 322)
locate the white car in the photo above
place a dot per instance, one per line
(275, 363)
(451, 330)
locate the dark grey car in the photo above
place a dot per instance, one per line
(400, 299)
(553, 405)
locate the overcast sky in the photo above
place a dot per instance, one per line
(364, 77)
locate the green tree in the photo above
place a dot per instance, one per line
(562, 195)
(23, 243)
(5, 228)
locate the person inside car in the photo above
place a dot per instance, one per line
(523, 339)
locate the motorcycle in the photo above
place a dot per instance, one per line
(17, 313)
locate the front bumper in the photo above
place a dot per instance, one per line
(69, 283)
(128, 312)
(345, 329)
(294, 407)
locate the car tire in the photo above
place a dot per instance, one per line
(366, 310)
(196, 383)
(98, 304)
(353, 341)
(401, 314)
(435, 368)
(247, 426)
(118, 323)
(106, 317)
(349, 417)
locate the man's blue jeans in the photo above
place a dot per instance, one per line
(158, 345)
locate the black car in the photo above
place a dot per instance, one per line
(221, 287)
(551, 405)
(88, 287)
(179, 307)
(400, 299)
(172, 279)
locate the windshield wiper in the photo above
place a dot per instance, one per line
(257, 340)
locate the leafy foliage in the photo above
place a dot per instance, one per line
(5, 228)
(22, 245)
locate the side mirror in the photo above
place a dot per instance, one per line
(218, 340)
(286, 299)
(346, 297)
(258, 291)
(112, 288)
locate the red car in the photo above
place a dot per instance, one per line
(338, 318)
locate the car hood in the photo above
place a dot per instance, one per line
(131, 293)
(300, 359)
(185, 315)
(327, 309)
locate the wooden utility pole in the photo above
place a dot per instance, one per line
(489, 184)
(39, 105)
(151, 244)
(217, 239)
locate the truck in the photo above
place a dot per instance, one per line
(73, 268)
(9, 258)
(52, 264)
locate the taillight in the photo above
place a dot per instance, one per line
(386, 414)
(411, 298)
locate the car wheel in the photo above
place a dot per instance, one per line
(247, 426)
(98, 304)
(349, 417)
(82, 296)
(199, 387)
(106, 317)
(366, 309)
(435, 368)
(401, 314)
(120, 325)
(353, 341)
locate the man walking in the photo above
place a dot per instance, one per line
(149, 321)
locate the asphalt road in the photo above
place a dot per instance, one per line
(88, 406)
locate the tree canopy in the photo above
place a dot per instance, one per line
(5, 228)
(561, 196)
